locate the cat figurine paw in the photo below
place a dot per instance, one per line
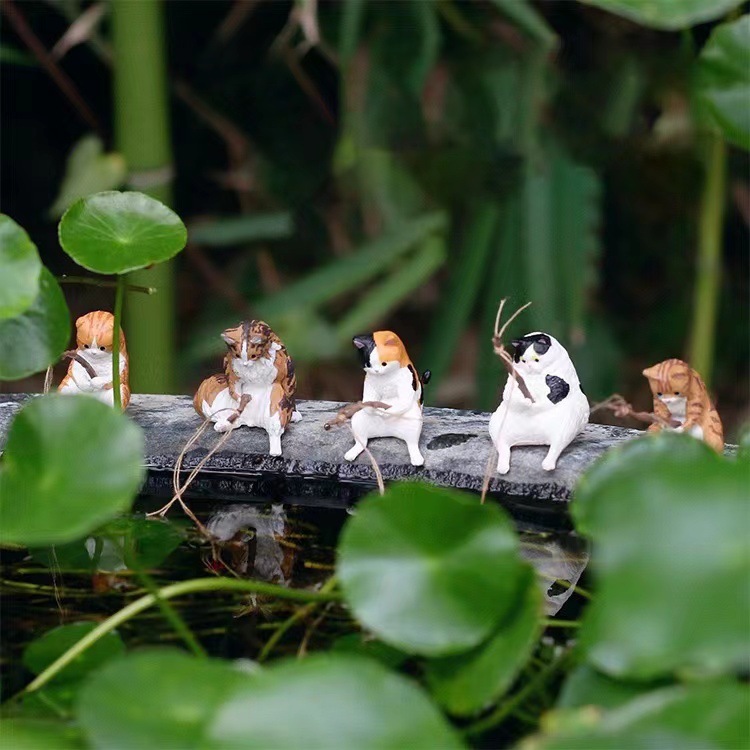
(391, 378)
(558, 412)
(257, 387)
(680, 395)
(90, 372)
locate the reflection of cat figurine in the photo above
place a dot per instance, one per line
(559, 411)
(94, 344)
(390, 377)
(259, 371)
(681, 395)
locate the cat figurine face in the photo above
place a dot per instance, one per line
(94, 340)
(390, 377)
(250, 341)
(681, 395)
(559, 410)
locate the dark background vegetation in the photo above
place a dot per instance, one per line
(564, 159)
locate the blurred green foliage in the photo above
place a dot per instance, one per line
(560, 143)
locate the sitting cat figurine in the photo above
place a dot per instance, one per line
(390, 377)
(94, 338)
(681, 395)
(559, 410)
(257, 386)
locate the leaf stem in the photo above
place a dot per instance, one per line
(119, 294)
(193, 586)
(708, 267)
(550, 623)
(509, 706)
(90, 281)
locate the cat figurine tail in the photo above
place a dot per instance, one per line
(94, 339)
(558, 412)
(681, 395)
(390, 377)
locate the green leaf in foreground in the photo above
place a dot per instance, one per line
(668, 15)
(171, 700)
(39, 654)
(723, 80)
(37, 734)
(20, 269)
(467, 683)
(586, 686)
(694, 717)
(669, 521)
(37, 337)
(429, 570)
(115, 232)
(70, 463)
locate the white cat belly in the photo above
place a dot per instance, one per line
(256, 379)
(99, 387)
(517, 421)
(404, 423)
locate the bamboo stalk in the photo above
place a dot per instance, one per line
(142, 136)
(708, 270)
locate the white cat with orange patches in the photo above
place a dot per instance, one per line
(94, 339)
(390, 377)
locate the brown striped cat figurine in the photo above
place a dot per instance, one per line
(257, 387)
(94, 338)
(681, 395)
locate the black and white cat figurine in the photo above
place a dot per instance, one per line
(560, 409)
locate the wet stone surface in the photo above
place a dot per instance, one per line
(312, 471)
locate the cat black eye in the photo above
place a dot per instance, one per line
(659, 393)
(101, 348)
(676, 393)
(384, 363)
(85, 346)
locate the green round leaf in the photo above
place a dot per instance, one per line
(586, 686)
(669, 522)
(36, 338)
(668, 15)
(700, 716)
(154, 698)
(20, 266)
(429, 570)
(39, 654)
(115, 232)
(467, 683)
(70, 463)
(327, 702)
(723, 80)
(171, 700)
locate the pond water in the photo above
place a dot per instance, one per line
(289, 545)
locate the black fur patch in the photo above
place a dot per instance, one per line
(414, 379)
(558, 388)
(365, 344)
(540, 341)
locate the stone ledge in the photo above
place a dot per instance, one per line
(456, 446)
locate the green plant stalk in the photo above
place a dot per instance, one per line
(295, 617)
(141, 104)
(506, 708)
(193, 586)
(708, 270)
(172, 616)
(119, 295)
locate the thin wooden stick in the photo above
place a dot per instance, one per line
(621, 408)
(347, 412)
(74, 354)
(499, 347)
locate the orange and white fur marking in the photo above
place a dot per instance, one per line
(390, 377)
(256, 367)
(680, 394)
(94, 338)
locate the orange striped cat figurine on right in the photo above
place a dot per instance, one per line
(681, 395)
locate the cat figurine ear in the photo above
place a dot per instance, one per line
(681, 396)
(390, 378)
(556, 412)
(90, 369)
(257, 387)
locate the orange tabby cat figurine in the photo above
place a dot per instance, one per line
(94, 337)
(680, 394)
